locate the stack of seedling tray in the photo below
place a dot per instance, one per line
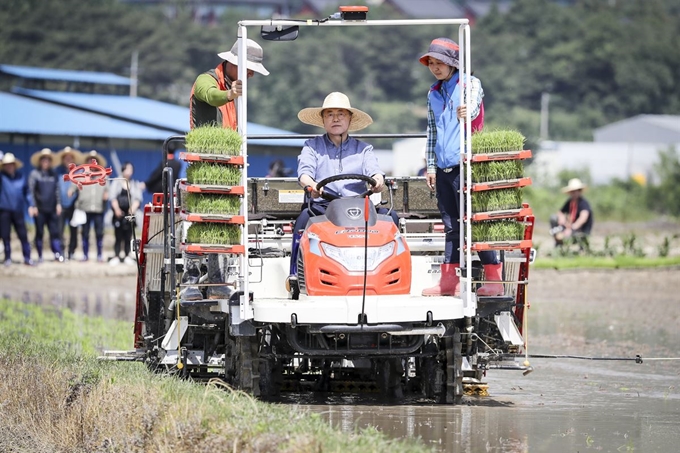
(212, 194)
(498, 213)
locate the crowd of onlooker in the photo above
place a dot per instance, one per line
(67, 212)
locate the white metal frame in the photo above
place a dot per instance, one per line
(246, 309)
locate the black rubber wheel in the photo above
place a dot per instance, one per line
(454, 369)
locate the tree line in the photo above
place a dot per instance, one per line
(600, 61)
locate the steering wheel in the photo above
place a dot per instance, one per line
(350, 176)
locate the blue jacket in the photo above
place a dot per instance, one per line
(14, 192)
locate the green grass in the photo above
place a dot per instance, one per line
(214, 140)
(211, 204)
(496, 200)
(60, 328)
(497, 230)
(495, 141)
(213, 174)
(214, 233)
(597, 262)
(56, 396)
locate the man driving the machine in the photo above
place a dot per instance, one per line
(333, 153)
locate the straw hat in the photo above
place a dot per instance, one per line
(573, 185)
(444, 50)
(68, 151)
(335, 100)
(254, 56)
(8, 158)
(101, 160)
(37, 156)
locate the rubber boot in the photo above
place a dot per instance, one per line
(39, 249)
(100, 250)
(291, 283)
(492, 272)
(216, 273)
(56, 249)
(191, 275)
(86, 248)
(449, 283)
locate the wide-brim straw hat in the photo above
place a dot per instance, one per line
(443, 49)
(254, 56)
(101, 160)
(78, 156)
(573, 185)
(9, 158)
(37, 156)
(335, 100)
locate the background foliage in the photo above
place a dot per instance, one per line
(601, 61)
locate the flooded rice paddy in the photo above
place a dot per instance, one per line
(564, 405)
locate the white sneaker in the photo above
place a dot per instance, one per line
(129, 260)
(114, 261)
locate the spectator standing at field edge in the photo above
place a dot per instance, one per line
(92, 199)
(126, 198)
(69, 194)
(44, 187)
(14, 196)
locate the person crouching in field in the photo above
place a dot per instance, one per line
(575, 219)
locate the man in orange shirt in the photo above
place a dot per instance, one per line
(212, 102)
(214, 91)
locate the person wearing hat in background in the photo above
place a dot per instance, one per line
(212, 102)
(443, 161)
(333, 153)
(575, 219)
(92, 199)
(43, 184)
(14, 196)
(69, 194)
(126, 198)
(214, 92)
(154, 183)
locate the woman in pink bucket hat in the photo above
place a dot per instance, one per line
(443, 161)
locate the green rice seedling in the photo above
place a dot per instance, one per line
(213, 174)
(214, 233)
(200, 203)
(496, 200)
(497, 170)
(214, 140)
(497, 230)
(496, 141)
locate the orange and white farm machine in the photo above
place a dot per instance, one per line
(359, 320)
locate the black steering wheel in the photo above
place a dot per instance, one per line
(334, 178)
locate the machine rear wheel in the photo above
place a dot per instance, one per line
(454, 369)
(242, 364)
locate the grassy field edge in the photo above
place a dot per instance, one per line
(596, 262)
(57, 397)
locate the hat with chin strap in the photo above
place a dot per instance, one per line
(444, 50)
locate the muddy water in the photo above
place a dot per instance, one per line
(562, 406)
(565, 405)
